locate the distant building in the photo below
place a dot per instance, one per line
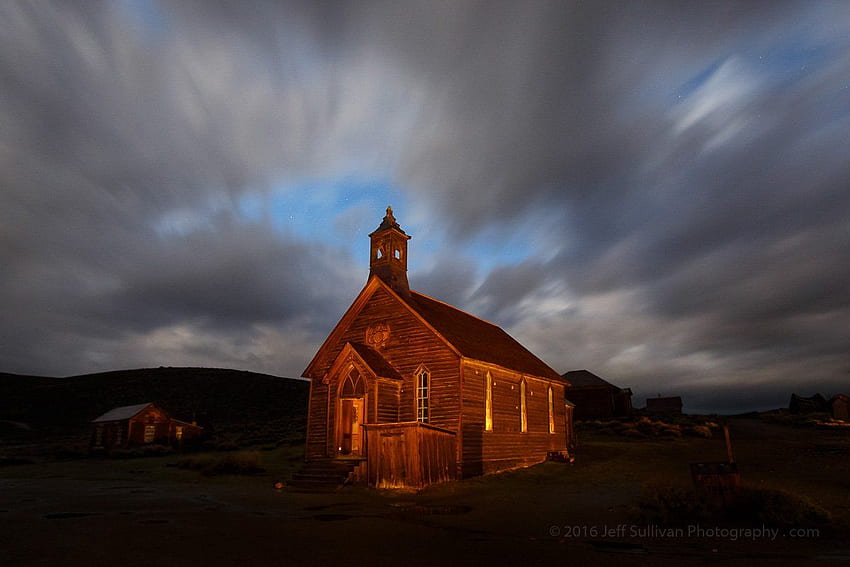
(140, 424)
(813, 404)
(595, 398)
(839, 406)
(669, 405)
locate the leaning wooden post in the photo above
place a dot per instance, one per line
(729, 454)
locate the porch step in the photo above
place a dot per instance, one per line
(323, 474)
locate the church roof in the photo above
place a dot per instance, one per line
(478, 339)
(376, 362)
(388, 222)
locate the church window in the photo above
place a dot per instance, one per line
(423, 389)
(551, 411)
(523, 408)
(488, 404)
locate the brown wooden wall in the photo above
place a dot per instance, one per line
(411, 455)
(506, 446)
(150, 416)
(592, 403)
(411, 344)
(389, 392)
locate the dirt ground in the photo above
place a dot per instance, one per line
(141, 511)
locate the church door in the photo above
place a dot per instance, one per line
(351, 416)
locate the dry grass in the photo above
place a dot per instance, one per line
(241, 463)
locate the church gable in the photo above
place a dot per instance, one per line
(380, 321)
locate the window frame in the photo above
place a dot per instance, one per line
(551, 395)
(523, 406)
(488, 402)
(422, 416)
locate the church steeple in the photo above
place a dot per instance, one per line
(388, 254)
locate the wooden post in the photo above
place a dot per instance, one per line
(729, 454)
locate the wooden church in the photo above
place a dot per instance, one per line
(407, 390)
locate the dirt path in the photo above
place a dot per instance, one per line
(74, 513)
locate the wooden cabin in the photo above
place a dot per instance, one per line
(595, 398)
(411, 390)
(140, 424)
(668, 405)
(839, 407)
(812, 404)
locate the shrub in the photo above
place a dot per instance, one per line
(779, 508)
(670, 505)
(698, 431)
(633, 433)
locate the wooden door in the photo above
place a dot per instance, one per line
(356, 420)
(351, 416)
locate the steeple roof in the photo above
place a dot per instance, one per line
(388, 223)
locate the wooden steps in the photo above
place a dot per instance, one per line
(324, 474)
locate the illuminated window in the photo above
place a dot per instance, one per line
(551, 411)
(523, 408)
(423, 378)
(150, 433)
(178, 432)
(488, 404)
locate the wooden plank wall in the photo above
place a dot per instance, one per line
(506, 446)
(592, 403)
(388, 401)
(150, 416)
(411, 344)
(316, 429)
(409, 455)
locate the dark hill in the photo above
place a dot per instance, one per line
(241, 406)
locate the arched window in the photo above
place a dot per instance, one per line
(353, 386)
(488, 404)
(551, 411)
(423, 389)
(523, 408)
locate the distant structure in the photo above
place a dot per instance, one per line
(407, 390)
(595, 398)
(668, 405)
(813, 404)
(140, 424)
(839, 407)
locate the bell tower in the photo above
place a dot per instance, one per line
(388, 254)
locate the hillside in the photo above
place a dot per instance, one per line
(236, 405)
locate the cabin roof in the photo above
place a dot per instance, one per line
(376, 362)
(586, 379)
(121, 413)
(478, 339)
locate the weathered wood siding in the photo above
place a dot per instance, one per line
(389, 393)
(411, 455)
(150, 416)
(317, 421)
(592, 403)
(411, 344)
(506, 446)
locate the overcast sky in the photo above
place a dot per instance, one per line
(657, 192)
